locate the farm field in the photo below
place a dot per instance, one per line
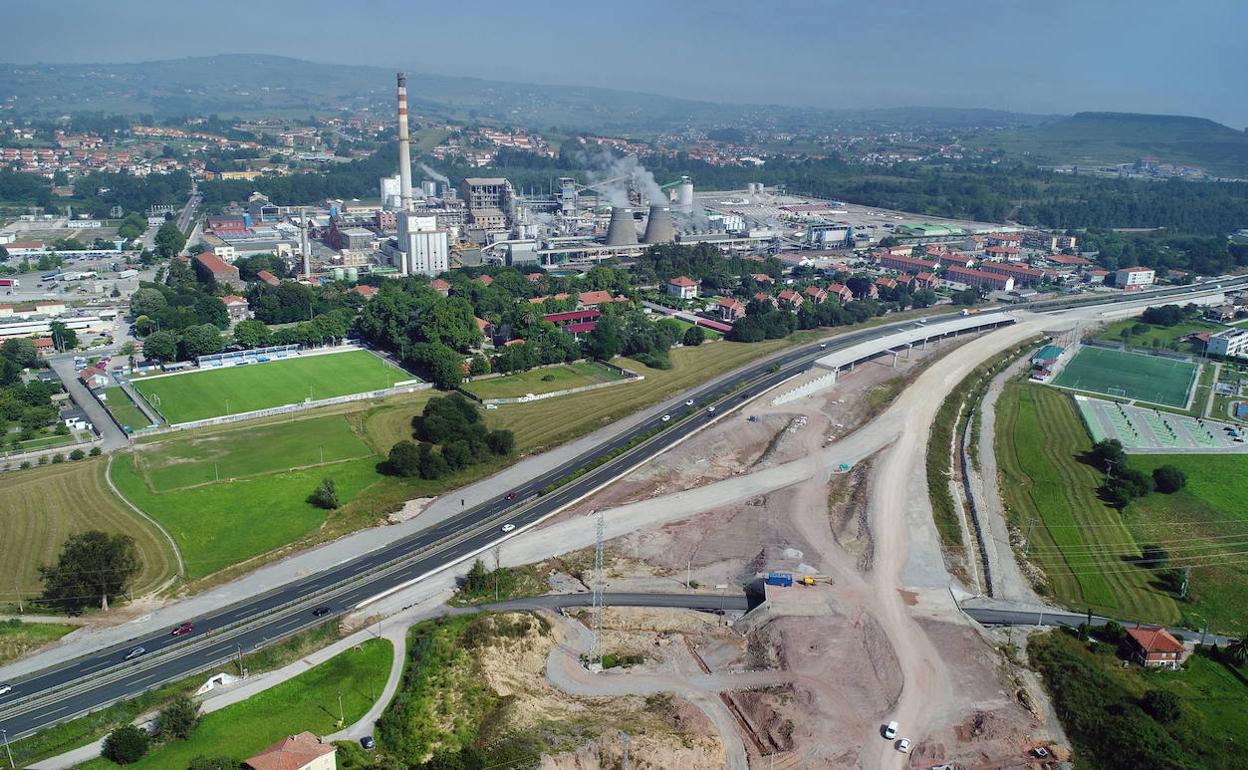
(42, 506)
(1129, 375)
(1083, 545)
(18, 639)
(1204, 526)
(203, 394)
(121, 407)
(306, 702)
(545, 380)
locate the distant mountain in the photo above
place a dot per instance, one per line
(254, 84)
(1090, 138)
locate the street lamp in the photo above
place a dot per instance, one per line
(7, 750)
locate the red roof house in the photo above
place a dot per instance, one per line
(295, 752)
(1155, 646)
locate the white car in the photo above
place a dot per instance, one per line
(710, 410)
(5, 688)
(666, 417)
(508, 527)
(890, 731)
(689, 402)
(903, 745)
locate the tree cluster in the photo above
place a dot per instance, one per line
(449, 436)
(93, 568)
(28, 405)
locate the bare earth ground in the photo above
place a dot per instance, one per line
(835, 646)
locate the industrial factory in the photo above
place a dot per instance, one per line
(566, 223)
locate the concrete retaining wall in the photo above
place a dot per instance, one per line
(801, 391)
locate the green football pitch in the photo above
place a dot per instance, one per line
(199, 395)
(1131, 376)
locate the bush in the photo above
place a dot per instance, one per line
(95, 451)
(77, 454)
(58, 458)
(1162, 705)
(694, 336)
(126, 745)
(404, 459)
(1169, 479)
(325, 496)
(179, 718)
(501, 442)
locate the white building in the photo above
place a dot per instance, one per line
(1232, 343)
(424, 249)
(1134, 278)
(391, 193)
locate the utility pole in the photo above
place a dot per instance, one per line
(1187, 574)
(7, 750)
(626, 742)
(595, 650)
(497, 566)
(18, 586)
(1027, 540)
(342, 719)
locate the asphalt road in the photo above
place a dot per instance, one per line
(93, 681)
(1002, 617)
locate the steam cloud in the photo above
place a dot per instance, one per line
(429, 172)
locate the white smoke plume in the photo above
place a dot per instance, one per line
(606, 166)
(429, 172)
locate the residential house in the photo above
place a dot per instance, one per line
(1220, 313)
(575, 322)
(593, 298)
(871, 293)
(926, 280)
(980, 278)
(440, 286)
(761, 297)
(762, 278)
(817, 295)
(484, 280)
(731, 309)
(209, 266)
(884, 282)
(682, 287)
(791, 299)
(367, 292)
(75, 419)
(1026, 276)
(1002, 253)
(954, 259)
(268, 277)
(44, 345)
(906, 264)
(93, 377)
(1155, 647)
(236, 307)
(296, 752)
(841, 292)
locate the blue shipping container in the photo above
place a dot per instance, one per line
(779, 579)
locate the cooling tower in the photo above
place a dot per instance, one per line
(659, 227)
(621, 231)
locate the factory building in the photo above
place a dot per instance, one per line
(423, 247)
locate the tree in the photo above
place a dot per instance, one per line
(201, 340)
(77, 454)
(1107, 453)
(694, 336)
(20, 351)
(326, 495)
(501, 442)
(477, 578)
(161, 346)
(606, 340)
(480, 364)
(404, 459)
(252, 333)
(1169, 479)
(444, 367)
(91, 564)
(1162, 705)
(126, 745)
(147, 301)
(62, 336)
(179, 718)
(1237, 651)
(169, 240)
(457, 455)
(432, 464)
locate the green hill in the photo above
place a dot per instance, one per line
(1090, 138)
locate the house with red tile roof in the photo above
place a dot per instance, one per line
(484, 279)
(762, 278)
(210, 266)
(791, 299)
(268, 277)
(841, 292)
(730, 309)
(761, 297)
(593, 298)
(926, 280)
(304, 751)
(816, 295)
(236, 307)
(682, 287)
(1153, 647)
(440, 286)
(884, 282)
(367, 292)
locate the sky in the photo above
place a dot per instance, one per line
(1040, 56)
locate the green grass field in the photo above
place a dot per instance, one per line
(121, 407)
(1157, 336)
(207, 456)
(544, 380)
(307, 702)
(18, 639)
(41, 507)
(1129, 375)
(1204, 526)
(1078, 540)
(212, 393)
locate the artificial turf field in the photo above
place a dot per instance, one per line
(1131, 376)
(200, 395)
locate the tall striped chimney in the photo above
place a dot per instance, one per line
(405, 150)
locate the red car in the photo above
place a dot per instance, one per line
(185, 628)
(511, 495)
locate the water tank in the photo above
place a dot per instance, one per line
(339, 274)
(684, 194)
(353, 274)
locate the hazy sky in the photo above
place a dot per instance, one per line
(1165, 56)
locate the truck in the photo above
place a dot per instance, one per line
(10, 283)
(970, 311)
(783, 579)
(129, 273)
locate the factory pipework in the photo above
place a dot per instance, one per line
(405, 151)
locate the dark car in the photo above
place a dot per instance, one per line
(183, 629)
(320, 612)
(367, 742)
(511, 495)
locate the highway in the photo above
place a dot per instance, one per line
(94, 681)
